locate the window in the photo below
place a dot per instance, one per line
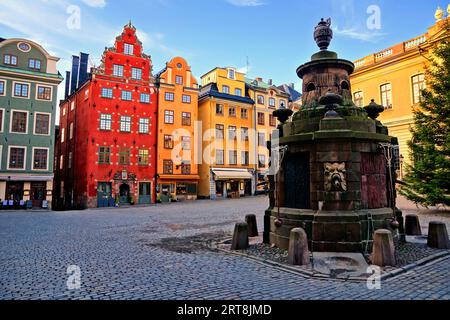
(19, 122)
(126, 95)
(261, 139)
(64, 111)
(16, 158)
(124, 156)
(168, 141)
(168, 116)
(1, 120)
(34, 64)
(232, 133)
(418, 84)
(21, 90)
(178, 79)
(2, 87)
(219, 157)
(232, 112)
(105, 121)
(42, 123)
(272, 102)
(63, 135)
(44, 93)
(185, 168)
(233, 157)
(219, 109)
(144, 125)
(167, 167)
(186, 98)
(272, 120)
(282, 104)
(40, 159)
(261, 161)
(231, 74)
(145, 98)
(118, 70)
(244, 158)
(169, 96)
(244, 113)
(104, 154)
(186, 118)
(125, 123)
(10, 60)
(386, 95)
(238, 92)
(186, 143)
(72, 106)
(71, 131)
(358, 97)
(69, 160)
(107, 93)
(143, 157)
(219, 131)
(261, 118)
(260, 99)
(244, 134)
(225, 89)
(128, 49)
(61, 162)
(136, 73)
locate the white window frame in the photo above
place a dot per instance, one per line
(136, 72)
(32, 158)
(107, 96)
(274, 102)
(2, 120)
(49, 124)
(71, 131)
(24, 158)
(225, 91)
(4, 87)
(106, 121)
(14, 90)
(128, 52)
(119, 67)
(392, 96)
(124, 124)
(11, 120)
(186, 98)
(147, 97)
(72, 106)
(43, 86)
(236, 92)
(362, 96)
(126, 92)
(231, 74)
(145, 125)
(411, 79)
(63, 135)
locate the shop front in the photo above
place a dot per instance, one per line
(177, 188)
(232, 183)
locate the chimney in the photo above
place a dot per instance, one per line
(74, 75)
(82, 69)
(270, 82)
(259, 79)
(67, 88)
(291, 85)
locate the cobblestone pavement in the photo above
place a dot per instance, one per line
(157, 253)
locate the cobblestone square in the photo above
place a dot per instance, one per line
(158, 253)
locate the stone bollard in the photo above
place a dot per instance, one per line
(250, 219)
(240, 237)
(412, 225)
(298, 253)
(383, 248)
(438, 236)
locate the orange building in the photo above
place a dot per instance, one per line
(177, 170)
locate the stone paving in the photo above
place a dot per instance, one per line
(157, 253)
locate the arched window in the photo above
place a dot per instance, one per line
(310, 87)
(345, 85)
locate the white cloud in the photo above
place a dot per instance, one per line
(95, 3)
(246, 3)
(359, 34)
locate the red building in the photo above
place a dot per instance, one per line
(106, 151)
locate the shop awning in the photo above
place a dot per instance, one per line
(232, 174)
(26, 178)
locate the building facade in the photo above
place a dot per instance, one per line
(28, 94)
(394, 77)
(107, 131)
(267, 98)
(177, 169)
(227, 164)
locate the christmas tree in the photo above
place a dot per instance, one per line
(427, 180)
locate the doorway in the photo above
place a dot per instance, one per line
(14, 191)
(297, 181)
(104, 194)
(38, 193)
(145, 193)
(124, 193)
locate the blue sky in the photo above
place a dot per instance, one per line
(275, 35)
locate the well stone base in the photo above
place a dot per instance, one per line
(329, 231)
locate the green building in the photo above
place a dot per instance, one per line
(28, 99)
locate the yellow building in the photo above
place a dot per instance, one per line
(394, 77)
(267, 98)
(227, 165)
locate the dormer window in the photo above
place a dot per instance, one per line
(10, 60)
(118, 70)
(231, 74)
(128, 49)
(34, 64)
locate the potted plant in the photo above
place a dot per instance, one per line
(132, 200)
